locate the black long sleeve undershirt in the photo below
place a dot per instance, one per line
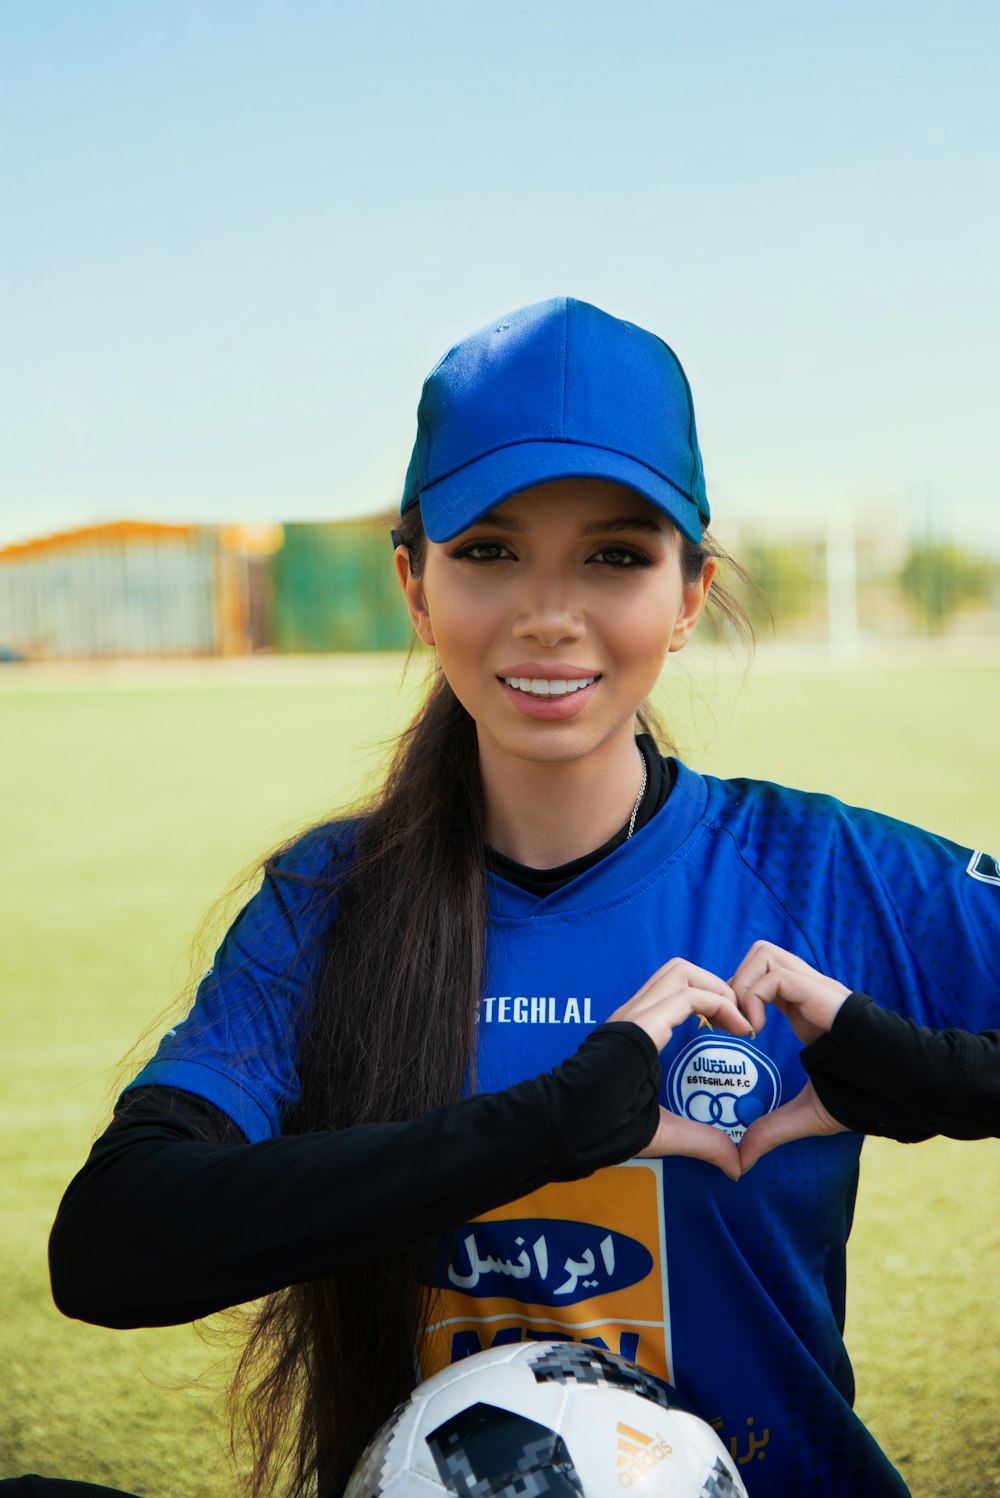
(879, 1073)
(165, 1225)
(175, 1215)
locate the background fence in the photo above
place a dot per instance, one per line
(847, 586)
(133, 589)
(333, 587)
(124, 589)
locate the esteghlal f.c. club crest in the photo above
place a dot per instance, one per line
(722, 1080)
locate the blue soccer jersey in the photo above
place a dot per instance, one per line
(732, 1290)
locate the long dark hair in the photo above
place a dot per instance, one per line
(391, 1037)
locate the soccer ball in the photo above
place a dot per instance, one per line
(545, 1420)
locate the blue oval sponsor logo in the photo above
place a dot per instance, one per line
(722, 1080)
(540, 1261)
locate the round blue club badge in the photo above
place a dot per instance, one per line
(720, 1080)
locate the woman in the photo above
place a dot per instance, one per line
(529, 865)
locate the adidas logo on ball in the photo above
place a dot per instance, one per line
(638, 1454)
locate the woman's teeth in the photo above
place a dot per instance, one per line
(539, 687)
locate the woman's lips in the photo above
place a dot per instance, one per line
(549, 697)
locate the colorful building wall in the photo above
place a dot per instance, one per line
(125, 589)
(135, 589)
(333, 588)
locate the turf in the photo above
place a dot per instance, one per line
(130, 805)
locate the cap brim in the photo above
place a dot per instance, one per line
(451, 505)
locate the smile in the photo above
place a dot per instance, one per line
(537, 686)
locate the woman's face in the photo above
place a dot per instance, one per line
(553, 615)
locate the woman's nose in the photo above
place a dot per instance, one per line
(549, 611)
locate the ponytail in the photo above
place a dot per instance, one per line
(391, 1037)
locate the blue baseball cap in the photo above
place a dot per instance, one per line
(558, 390)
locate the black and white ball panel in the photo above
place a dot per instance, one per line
(545, 1420)
(488, 1452)
(576, 1363)
(366, 1481)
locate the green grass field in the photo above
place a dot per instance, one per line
(132, 801)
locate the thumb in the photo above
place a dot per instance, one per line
(683, 1136)
(803, 1118)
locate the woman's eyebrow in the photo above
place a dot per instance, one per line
(622, 523)
(499, 522)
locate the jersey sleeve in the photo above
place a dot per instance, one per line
(237, 1047)
(885, 907)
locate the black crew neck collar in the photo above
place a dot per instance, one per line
(659, 782)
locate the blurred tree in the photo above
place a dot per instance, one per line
(939, 578)
(787, 580)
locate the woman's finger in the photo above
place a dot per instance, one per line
(659, 1015)
(803, 1118)
(762, 959)
(793, 993)
(756, 965)
(679, 973)
(770, 975)
(682, 1136)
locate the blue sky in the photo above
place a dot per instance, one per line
(236, 236)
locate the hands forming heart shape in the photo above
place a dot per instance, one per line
(808, 999)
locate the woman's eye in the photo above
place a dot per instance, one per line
(484, 551)
(621, 556)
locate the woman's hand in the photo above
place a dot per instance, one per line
(803, 1118)
(810, 1001)
(675, 992)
